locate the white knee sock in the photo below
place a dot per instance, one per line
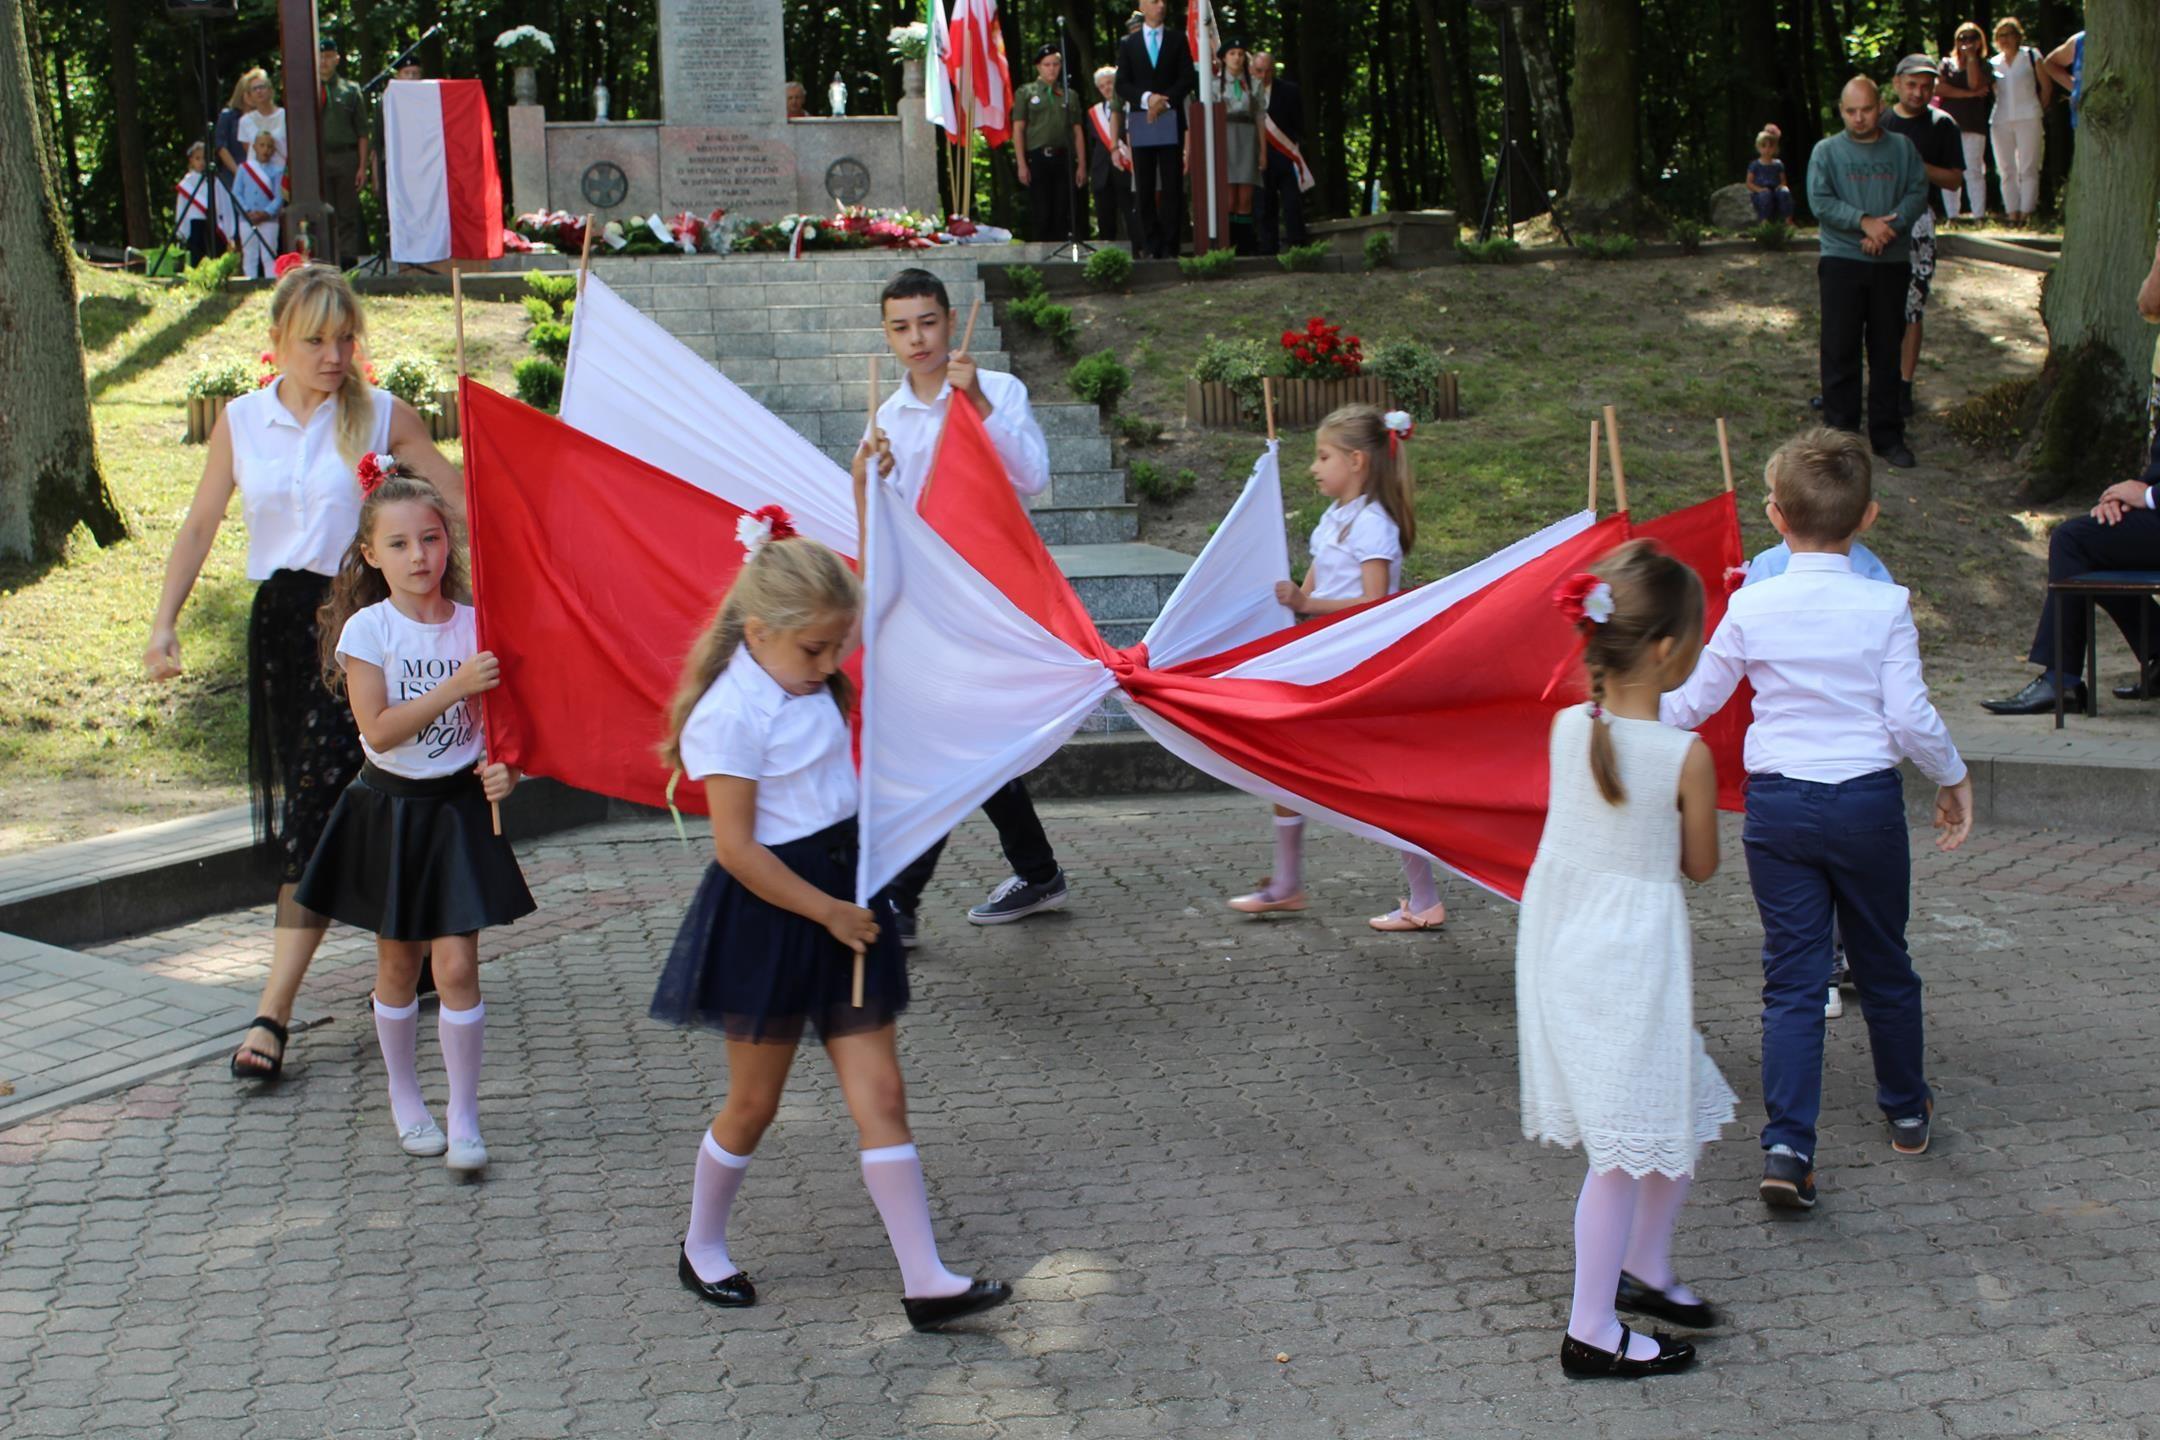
(1289, 877)
(397, 1032)
(1603, 1217)
(464, 1036)
(1424, 891)
(893, 1176)
(712, 1195)
(1658, 1199)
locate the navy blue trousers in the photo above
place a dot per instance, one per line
(1818, 853)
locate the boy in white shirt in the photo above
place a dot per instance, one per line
(916, 315)
(1839, 700)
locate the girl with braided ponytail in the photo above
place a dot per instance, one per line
(1610, 1059)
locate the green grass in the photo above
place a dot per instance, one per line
(75, 708)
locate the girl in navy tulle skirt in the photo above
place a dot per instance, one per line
(773, 942)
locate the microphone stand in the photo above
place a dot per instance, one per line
(1075, 244)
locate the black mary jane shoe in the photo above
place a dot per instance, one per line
(935, 1311)
(733, 1290)
(273, 1065)
(1649, 1300)
(1587, 1362)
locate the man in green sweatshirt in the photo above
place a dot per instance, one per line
(1867, 188)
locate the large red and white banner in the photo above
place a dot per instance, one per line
(445, 196)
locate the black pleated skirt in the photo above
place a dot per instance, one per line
(414, 860)
(303, 747)
(754, 971)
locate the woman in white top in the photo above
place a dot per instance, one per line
(291, 449)
(2022, 91)
(264, 114)
(1360, 462)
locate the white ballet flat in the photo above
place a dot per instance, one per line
(423, 1137)
(467, 1157)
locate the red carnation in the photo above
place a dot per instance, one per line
(370, 472)
(783, 524)
(289, 261)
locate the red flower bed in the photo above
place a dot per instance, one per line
(1322, 352)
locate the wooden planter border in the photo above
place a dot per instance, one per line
(1303, 403)
(202, 414)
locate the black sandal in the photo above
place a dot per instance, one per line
(276, 1065)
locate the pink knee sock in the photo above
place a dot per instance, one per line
(1658, 1199)
(397, 1032)
(1424, 891)
(1604, 1216)
(893, 1176)
(712, 1195)
(464, 1036)
(1289, 877)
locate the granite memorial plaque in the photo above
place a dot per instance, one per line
(745, 172)
(722, 63)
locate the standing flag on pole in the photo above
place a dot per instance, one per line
(444, 193)
(1202, 38)
(979, 54)
(938, 106)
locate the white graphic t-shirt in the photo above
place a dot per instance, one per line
(414, 659)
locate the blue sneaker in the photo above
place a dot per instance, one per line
(1016, 899)
(1788, 1181)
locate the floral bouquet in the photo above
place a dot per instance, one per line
(909, 42)
(1322, 352)
(525, 45)
(559, 228)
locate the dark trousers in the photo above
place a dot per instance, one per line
(1863, 316)
(1020, 835)
(1159, 197)
(199, 234)
(1050, 194)
(341, 186)
(1818, 854)
(1114, 207)
(1282, 208)
(2082, 545)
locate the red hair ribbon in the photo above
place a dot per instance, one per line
(1584, 599)
(373, 470)
(291, 260)
(783, 524)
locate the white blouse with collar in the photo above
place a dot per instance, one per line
(795, 747)
(300, 499)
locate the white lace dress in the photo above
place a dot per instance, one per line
(1603, 971)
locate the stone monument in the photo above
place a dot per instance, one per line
(724, 139)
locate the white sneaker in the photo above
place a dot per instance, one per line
(423, 1137)
(467, 1157)
(1834, 1006)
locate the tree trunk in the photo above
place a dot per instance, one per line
(1466, 168)
(127, 127)
(2099, 350)
(49, 475)
(1602, 157)
(1533, 43)
(1833, 40)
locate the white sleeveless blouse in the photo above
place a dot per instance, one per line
(300, 500)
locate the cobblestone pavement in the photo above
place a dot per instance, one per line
(1196, 1143)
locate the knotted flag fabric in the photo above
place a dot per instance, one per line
(444, 194)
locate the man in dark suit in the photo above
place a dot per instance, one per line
(1155, 76)
(1282, 203)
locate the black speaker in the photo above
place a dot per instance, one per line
(202, 9)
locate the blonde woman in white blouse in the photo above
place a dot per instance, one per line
(291, 449)
(2023, 89)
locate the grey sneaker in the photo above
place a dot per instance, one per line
(1016, 899)
(1909, 1136)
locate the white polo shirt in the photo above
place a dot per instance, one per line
(795, 747)
(1346, 537)
(300, 500)
(912, 427)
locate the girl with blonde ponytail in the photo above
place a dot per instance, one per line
(292, 450)
(1610, 1059)
(773, 944)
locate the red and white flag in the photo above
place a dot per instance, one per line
(445, 195)
(978, 59)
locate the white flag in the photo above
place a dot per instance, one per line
(937, 78)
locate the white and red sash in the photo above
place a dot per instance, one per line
(1284, 146)
(257, 176)
(190, 192)
(1118, 157)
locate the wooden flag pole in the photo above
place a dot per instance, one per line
(1724, 450)
(967, 336)
(457, 310)
(1267, 399)
(1594, 432)
(584, 259)
(1612, 446)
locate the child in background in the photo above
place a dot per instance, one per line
(1611, 1060)
(1361, 464)
(202, 214)
(1839, 700)
(259, 189)
(1767, 190)
(772, 941)
(410, 851)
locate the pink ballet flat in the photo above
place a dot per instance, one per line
(1262, 903)
(1403, 918)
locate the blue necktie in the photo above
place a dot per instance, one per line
(1154, 47)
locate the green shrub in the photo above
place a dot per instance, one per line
(228, 378)
(539, 382)
(417, 382)
(1184, 484)
(1108, 269)
(1687, 234)
(208, 275)
(1379, 250)
(1606, 247)
(554, 287)
(1499, 250)
(1239, 364)
(1149, 482)
(552, 339)
(537, 310)
(1026, 280)
(1215, 265)
(1771, 234)
(1054, 322)
(1306, 257)
(1412, 372)
(1138, 430)
(1101, 378)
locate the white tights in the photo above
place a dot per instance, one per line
(1622, 1222)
